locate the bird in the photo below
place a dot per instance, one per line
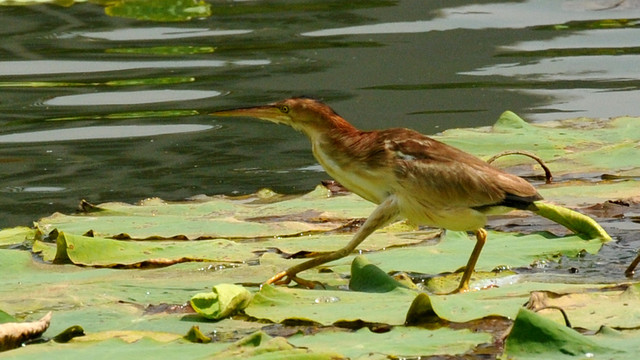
(407, 174)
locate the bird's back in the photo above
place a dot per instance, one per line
(434, 182)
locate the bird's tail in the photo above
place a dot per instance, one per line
(572, 220)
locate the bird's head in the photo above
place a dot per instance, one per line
(301, 113)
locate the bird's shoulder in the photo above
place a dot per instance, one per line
(410, 145)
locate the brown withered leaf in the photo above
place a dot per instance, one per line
(12, 335)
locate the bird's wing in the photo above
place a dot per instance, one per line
(450, 177)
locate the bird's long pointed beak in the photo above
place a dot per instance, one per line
(265, 112)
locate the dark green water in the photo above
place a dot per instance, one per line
(113, 108)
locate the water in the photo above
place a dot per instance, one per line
(114, 108)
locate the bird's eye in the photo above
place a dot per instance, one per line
(284, 108)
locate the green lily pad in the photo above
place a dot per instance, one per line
(329, 306)
(501, 250)
(92, 275)
(92, 251)
(265, 215)
(592, 309)
(578, 193)
(224, 300)
(16, 235)
(535, 335)
(399, 342)
(567, 146)
(367, 277)
(263, 347)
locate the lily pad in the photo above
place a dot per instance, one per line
(264, 215)
(568, 146)
(224, 300)
(592, 309)
(125, 273)
(330, 306)
(399, 342)
(538, 336)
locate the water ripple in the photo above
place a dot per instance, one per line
(39, 67)
(130, 97)
(153, 33)
(101, 132)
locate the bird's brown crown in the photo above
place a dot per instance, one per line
(309, 115)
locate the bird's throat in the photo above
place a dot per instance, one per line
(336, 155)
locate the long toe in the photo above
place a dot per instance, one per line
(306, 283)
(460, 290)
(280, 278)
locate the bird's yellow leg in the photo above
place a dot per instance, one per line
(481, 239)
(631, 269)
(386, 212)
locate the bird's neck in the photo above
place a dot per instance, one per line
(332, 139)
(342, 152)
(331, 126)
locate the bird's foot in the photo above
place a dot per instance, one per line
(459, 290)
(283, 278)
(465, 288)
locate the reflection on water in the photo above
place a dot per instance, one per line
(480, 16)
(65, 71)
(33, 189)
(624, 101)
(130, 97)
(52, 67)
(151, 33)
(100, 132)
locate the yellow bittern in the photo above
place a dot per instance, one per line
(407, 174)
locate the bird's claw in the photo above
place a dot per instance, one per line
(459, 290)
(283, 278)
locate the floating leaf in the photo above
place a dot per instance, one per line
(535, 336)
(330, 306)
(501, 250)
(216, 217)
(196, 336)
(96, 280)
(572, 220)
(367, 277)
(593, 309)
(224, 300)
(261, 346)
(16, 235)
(567, 146)
(94, 251)
(399, 342)
(12, 334)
